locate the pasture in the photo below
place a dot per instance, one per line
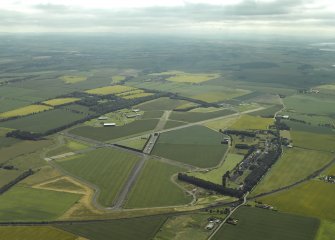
(321, 142)
(154, 187)
(173, 124)
(7, 104)
(60, 101)
(106, 168)
(326, 231)
(27, 110)
(199, 116)
(294, 165)
(68, 146)
(118, 78)
(136, 143)
(110, 90)
(197, 145)
(112, 133)
(71, 79)
(160, 104)
(178, 76)
(256, 224)
(44, 121)
(314, 198)
(218, 96)
(249, 122)
(34, 233)
(221, 123)
(216, 174)
(34, 204)
(143, 228)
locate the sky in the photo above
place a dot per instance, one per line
(295, 17)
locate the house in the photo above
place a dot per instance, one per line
(109, 124)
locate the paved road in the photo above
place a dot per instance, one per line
(228, 216)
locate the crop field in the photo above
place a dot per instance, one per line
(195, 145)
(8, 175)
(138, 95)
(316, 104)
(61, 184)
(294, 165)
(246, 122)
(178, 76)
(256, 224)
(267, 112)
(78, 108)
(69, 146)
(172, 124)
(24, 111)
(143, 228)
(215, 175)
(71, 79)
(198, 116)
(44, 121)
(322, 142)
(118, 78)
(213, 96)
(154, 187)
(60, 101)
(7, 104)
(186, 106)
(110, 90)
(314, 198)
(161, 104)
(136, 143)
(35, 232)
(183, 227)
(34, 204)
(306, 127)
(152, 114)
(326, 231)
(222, 123)
(111, 133)
(107, 168)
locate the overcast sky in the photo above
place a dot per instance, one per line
(316, 17)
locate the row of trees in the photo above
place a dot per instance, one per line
(239, 132)
(22, 176)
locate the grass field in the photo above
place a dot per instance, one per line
(7, 104)
(34, 233)
(136, 143)
(314, 198)
(110, 133)
(69, 146)
(198, 116)
(60, 101)
(44, 121)
(323, 142)
(31, 109)
(154, 187)
(326, 231)
(172, 124)
(131, 229)
(222, 123)
(118, 78)
(178, 76)
(71, 79)
(213, 96)
(295, 164)
(62, 184)
(256, 224)
(110, 90)
(161, 104)
(246, 122)
(34, 204)
(184, 227)
(215, 175)
(152, 114)
(267, 112)
(107, 168)
(138, 95)
(195, 145)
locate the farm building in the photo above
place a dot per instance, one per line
(109, 124)
(133, 115)
(102, 118)
(136, 110)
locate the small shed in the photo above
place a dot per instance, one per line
(109, 124)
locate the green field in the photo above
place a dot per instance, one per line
(246, 122)
(217, 96)
(107, 168)
(152, 114)
(195, 145)
(69, 146)
(267, 112)
(60, 101)
(136, 143)
(314, 198)
(154, 187)
(294, 165)
(44, 121)
(160, 104)
(62, 184)
(326, 231)
(28, 204)
(111, 133)
(215, 175)
(322, 142)
(184, 227)
(178, 76)
(34, 233)
(131, 229)
(198, 116)
(256, 224)
(110, 90)
(71, 79)
(222, 123)
(27, 110)
(7, 104)
(173, 124)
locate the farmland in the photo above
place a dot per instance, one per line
(60, 101)
(294, 165)
(276, 226)
(154, 187)
(198, 116)
(196, 145)
(24, 111)
(160, 104)
(34, 204)
(322, 142)
(136, 143)
(326, 231)
(110, 90)
(132, 229)
(307, 199)
(111, 133)
(250, 122)
(222, 123)
(177, 76)
(36, 232)
(106, 168)
(71, 79)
